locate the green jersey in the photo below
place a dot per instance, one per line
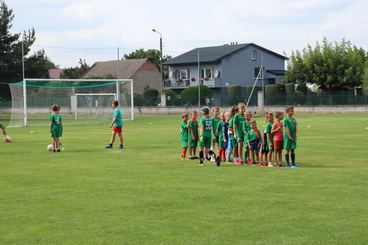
(184, 131)
(268, 130)
(216, 122)
(231, 125)
(291, 124)
(207, 124)
(193, 126)
(238, 120)
(253, 134)
(55, 120)
(246, 126)
(119, 121)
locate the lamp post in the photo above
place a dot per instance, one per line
(162, 74)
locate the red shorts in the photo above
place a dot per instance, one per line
(116, 129)
(278, 145)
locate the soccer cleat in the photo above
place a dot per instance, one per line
(58, 150)
(109, 146)
(121, 147)
(294, 166)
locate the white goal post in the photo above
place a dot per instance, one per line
(26, 94)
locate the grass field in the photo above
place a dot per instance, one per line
(146, 195)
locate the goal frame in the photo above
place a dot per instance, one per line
(117, 81)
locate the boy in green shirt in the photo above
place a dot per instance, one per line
(216, 120)
(193, 135)
(238, 131)
(232, 144)
(246, 126)
(116, 125)
(56, 127)
(290, 135)
(184, 125)
(205, 131)
(269, 137)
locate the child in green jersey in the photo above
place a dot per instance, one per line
(116, 125)
(2, 127)
(254, 137)
(246, 128)
(184, 125)
(56, 127)
(290, 135)
(193, 135)
(221, 130)
(232, 146)
(216, 120)
(269, 137)
(205, 132)
(238, 131)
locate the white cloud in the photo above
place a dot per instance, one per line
(280, 25)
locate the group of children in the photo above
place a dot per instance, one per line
(237, 138)
(56, 127)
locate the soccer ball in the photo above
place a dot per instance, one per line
(7, 139)
(50, 147)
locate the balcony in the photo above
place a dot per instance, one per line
(181, 84)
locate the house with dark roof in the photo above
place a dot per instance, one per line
(143, 71)
(223, 66)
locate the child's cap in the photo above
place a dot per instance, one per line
(205, 110)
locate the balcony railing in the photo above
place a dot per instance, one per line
(189, 83)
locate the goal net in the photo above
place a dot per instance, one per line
(82, 101)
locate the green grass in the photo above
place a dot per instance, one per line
(146, 195)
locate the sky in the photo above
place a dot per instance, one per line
(93, 29)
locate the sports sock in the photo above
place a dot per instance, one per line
(293, 158)
(245, 156)
(201, 156)
(287, 159)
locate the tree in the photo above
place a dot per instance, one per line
(330, 65)
(152, 54)
(76, 72)
(190, 95)
(36, 65)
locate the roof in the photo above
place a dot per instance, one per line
(127, 68)
(214, 54)
(55, 73)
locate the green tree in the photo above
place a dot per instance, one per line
(190, 95)
(338, 65)
(76, 72)
(152, 54)
(36, 65)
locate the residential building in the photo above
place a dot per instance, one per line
(226, 65)
(143, 71)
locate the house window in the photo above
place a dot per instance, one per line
(256, 72)
(207, 73)
(184, 74)
(254, 55)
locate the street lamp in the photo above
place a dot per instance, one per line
(162, 74)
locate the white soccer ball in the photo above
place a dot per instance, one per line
(50, 147)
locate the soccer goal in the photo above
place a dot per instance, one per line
(81, 100)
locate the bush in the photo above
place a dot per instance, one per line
(150, 96)
(171, 98)
(290, 89)
(302, 88)
(138, 100)
(235, 94)
(190, 95)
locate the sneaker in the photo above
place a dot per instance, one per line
(294, 166)
(121, 147)
(200, 164)
(58, 150)
(270, 165)
(109, 146)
